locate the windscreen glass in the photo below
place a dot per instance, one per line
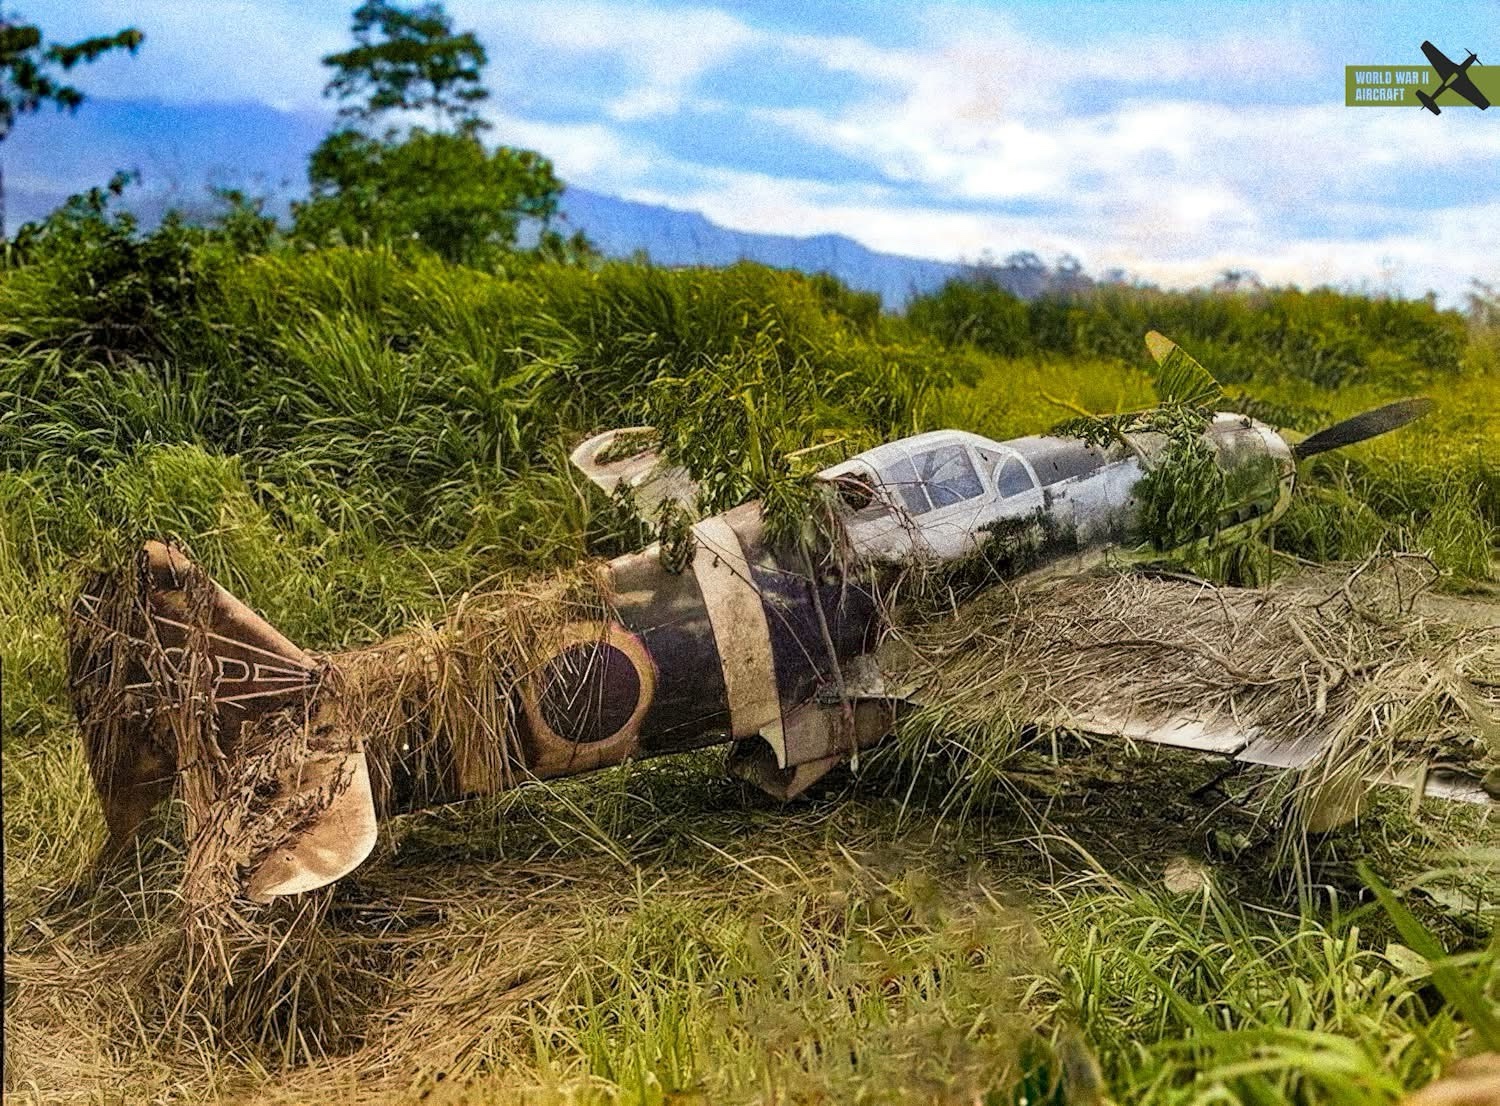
(948, 475)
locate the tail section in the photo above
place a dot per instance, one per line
(1429, 103)
(174, 680)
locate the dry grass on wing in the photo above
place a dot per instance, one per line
(1361, 663)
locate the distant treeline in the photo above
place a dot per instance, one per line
(1327, 338)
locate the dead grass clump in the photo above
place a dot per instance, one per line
(432, 708)
(436, 705)
(1354, 675)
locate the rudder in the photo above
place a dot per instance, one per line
(172, 677)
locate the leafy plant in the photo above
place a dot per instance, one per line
(1183, 490)
(28, 72)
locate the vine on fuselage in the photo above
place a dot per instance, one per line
(1183, 490)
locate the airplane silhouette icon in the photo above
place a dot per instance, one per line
(1454, 76)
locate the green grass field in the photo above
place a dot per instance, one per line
(349, 440)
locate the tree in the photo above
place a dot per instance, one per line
(419, 64)
(1237, 280)
(444, 191)
(440, 188)
(28, 68)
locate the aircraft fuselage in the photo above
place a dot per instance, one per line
(766, 645)
(771, 647)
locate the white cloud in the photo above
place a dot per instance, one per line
(976, 69)
(1452, 246)
(579, 151)
(210, 51)
(269, 50)
(1291, 152)
(1175, 189)
(1448, 248)
(664, 51)
(871, 214)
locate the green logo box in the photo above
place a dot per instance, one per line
(1395, 86)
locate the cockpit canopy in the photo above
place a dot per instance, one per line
(937, 495)
(1057, 459)
(931, 472)
(933, 494)
(933, 478)
(916, 476)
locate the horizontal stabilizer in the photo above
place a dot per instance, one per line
(173, 677)
(627, 459)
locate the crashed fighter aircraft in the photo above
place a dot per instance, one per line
(769, 647)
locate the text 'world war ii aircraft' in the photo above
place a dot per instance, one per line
(1455, 77)
(720, 635)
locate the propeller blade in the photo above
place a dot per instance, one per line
(1367, 424)
(1179, 378)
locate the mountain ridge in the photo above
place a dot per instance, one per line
(620, 227)
(261, 150)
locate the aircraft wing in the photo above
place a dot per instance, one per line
(1466, 88)
(1439, 60)
(626, 461)
(1273, 677)
(1221, 735)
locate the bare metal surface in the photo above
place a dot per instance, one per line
(335, 844)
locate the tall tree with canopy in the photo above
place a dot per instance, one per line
(437, 186)
(408, 60)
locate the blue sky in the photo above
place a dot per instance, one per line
(1169, 140)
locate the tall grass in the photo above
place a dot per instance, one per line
(1247, 1009)
(1325, 338)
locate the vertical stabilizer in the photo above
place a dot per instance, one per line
(175, 682)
